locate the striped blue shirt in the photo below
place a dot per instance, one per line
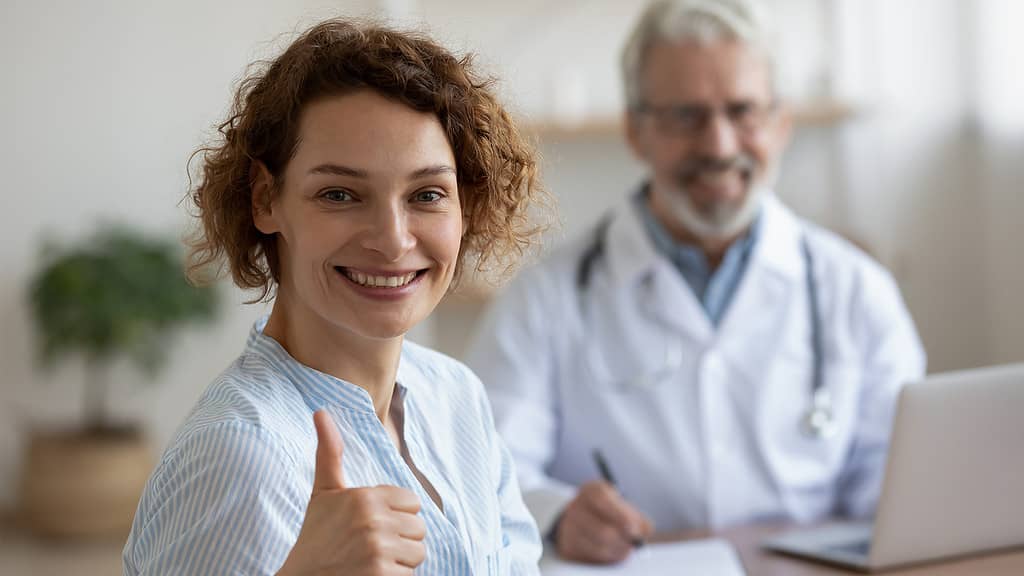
(230, 492)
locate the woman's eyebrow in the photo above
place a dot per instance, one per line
(340, 170)
(435, 170)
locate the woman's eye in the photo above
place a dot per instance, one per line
(336, 195)
(428, 196)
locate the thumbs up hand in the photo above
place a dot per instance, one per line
(360, 531)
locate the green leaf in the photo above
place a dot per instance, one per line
(117, 293)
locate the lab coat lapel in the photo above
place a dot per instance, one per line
(663, 295)
(768, 291)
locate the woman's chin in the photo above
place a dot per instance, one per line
(383, 327)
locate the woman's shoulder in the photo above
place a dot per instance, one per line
(248, 400)
(236, 459)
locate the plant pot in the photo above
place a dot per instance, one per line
(84, 484)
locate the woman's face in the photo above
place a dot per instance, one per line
(368, 219)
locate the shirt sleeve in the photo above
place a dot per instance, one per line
(224, 500)
(515, 356)
(893, 356)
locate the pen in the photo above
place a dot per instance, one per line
(606, 475)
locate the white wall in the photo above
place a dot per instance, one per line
(1003, 174)
(559, 59)
(1000, 101)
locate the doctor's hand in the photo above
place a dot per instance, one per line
(365, 531)
(599, 526)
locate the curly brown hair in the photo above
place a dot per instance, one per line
(496, 168)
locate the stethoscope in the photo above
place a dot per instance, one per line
(819, 420)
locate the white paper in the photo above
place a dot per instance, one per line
(711, 557)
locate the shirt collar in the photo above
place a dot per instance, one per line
(317, 388)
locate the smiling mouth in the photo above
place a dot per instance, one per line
(378, 280)
(720, 179)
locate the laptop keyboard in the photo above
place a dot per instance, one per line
(858, 547)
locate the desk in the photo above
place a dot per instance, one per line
(747, 540)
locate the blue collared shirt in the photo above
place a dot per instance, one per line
(230, 492)
(714, 289)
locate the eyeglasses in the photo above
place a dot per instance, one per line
(691, 119)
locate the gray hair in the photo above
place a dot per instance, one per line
(701, 21)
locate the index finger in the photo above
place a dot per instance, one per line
(400, 499)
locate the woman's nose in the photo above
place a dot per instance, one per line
(389, 233)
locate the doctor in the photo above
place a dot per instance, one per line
(730, 361)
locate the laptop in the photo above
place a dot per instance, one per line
(954, 478)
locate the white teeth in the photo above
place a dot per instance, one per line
(379, 281)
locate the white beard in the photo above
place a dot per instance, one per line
(724, 221)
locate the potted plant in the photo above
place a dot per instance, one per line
(119, 294)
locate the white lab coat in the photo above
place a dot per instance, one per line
(716, 441)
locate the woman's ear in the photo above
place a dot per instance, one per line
(262, 184)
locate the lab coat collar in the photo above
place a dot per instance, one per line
(778, 248)
(630, 251)
(637, 267)
(633, 256)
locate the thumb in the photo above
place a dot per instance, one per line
(328, 454)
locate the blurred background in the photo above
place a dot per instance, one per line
(910, 141)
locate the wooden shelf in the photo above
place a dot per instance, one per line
(824, 113)
(597, 127)
(816, 113)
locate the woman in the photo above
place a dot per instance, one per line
(356, 173)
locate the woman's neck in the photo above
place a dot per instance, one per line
(371, 364)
